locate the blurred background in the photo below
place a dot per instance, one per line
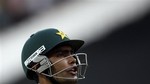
(116, 33)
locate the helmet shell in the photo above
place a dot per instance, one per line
(50, 38)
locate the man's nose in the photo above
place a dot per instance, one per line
(71, 60)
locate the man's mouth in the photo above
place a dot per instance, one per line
(72, 70)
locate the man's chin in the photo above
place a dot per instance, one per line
(66, 80)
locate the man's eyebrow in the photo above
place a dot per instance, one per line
(63, 49)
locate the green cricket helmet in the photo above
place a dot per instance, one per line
(41, 43)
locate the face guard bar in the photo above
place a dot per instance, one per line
(41, 64)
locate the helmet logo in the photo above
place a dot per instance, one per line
(61, 34)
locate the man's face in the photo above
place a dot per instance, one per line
(61, 53)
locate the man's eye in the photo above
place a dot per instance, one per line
(59, 54)
(65, 53)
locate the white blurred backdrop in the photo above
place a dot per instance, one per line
(78, 19)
